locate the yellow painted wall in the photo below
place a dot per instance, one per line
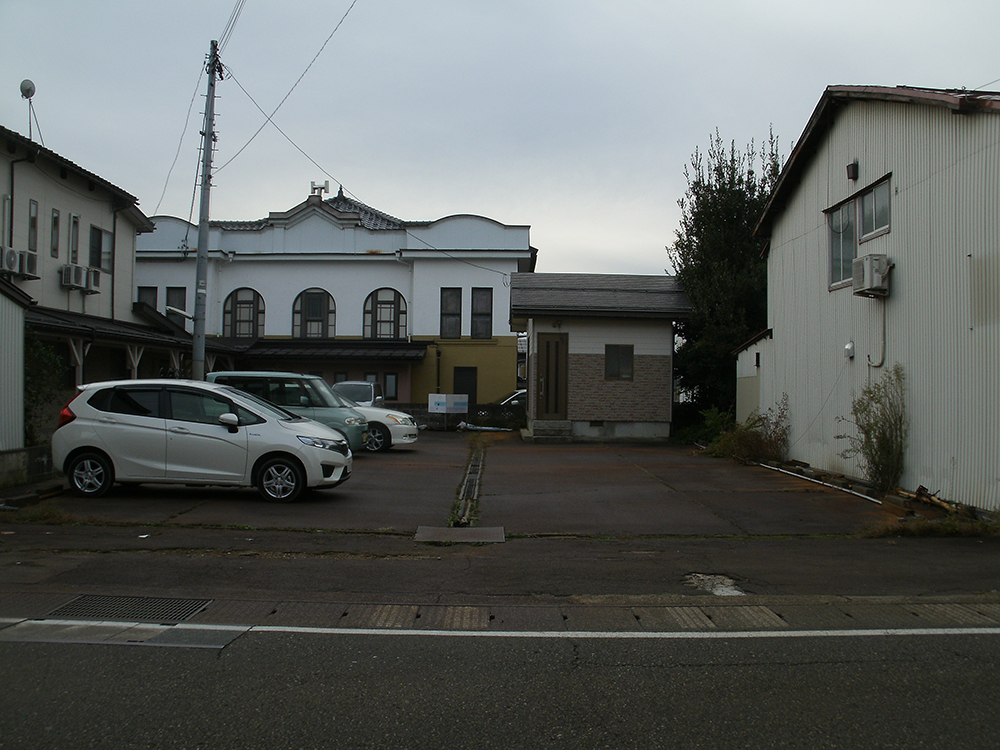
(494, 359)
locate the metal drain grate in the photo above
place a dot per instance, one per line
(130, 608)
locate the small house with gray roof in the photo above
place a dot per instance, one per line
(600, 353)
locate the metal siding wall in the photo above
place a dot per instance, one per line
(943, 311)
(12, 394)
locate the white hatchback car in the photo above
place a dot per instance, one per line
(190, 432)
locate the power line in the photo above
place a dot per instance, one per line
(269, 119)
(320, 167)
(294, 86)
(230, 25)
(180, 143)
(225, 36)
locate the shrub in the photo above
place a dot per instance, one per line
(694, 426)
(43, 389)
(879, 417)
(762, 438)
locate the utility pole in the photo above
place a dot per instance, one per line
(201, 269)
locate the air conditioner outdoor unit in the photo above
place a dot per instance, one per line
(11, 260)
(93, 281)
(74, 276)
(871, 275)
(28, 262)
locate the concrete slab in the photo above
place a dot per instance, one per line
(462, 535)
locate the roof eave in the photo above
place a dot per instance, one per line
(825, 113)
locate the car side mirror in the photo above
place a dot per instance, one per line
(231, 421)
(378, 401)
(303, 401)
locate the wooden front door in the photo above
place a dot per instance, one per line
(550, 378)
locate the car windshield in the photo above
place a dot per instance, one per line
(325, 395)
(355, 392)
(264, 408)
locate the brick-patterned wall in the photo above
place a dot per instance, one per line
(645, 398)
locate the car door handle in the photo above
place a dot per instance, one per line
(180, 430)
(107, 420)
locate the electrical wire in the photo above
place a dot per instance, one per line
(232, 77)
(294, 86)
(224, 37)
(230, 25)
(180, 143)
(269, 119)
(833, 390)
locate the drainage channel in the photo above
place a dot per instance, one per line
(460, 530)
(469, 492)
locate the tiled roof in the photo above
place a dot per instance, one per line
(368, 217)
(597, 295)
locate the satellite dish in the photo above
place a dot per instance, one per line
(27, 89)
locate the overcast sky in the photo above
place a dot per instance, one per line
(575, 117)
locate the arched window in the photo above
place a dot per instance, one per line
(243, 314)
(314, 315)
(385, 315)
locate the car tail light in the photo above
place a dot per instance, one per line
(66, 415)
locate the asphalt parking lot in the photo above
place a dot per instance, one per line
(607, 490)
(601, 528)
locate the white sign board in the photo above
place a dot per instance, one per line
(448, 403)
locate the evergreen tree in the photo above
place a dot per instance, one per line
(720, 265)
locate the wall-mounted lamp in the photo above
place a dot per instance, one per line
(849, 350)
(852, 170)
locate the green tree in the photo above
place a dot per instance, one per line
(720, 265)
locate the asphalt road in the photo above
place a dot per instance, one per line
(303, 690)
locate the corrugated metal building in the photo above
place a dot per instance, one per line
(12, 304)
(912, 175)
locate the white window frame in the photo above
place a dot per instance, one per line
(851, 223)
(878, 197)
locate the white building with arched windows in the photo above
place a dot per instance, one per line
(336, 288)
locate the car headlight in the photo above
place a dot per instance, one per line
(401, 420)
(329, 444)
(354, 420)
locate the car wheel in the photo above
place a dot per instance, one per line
(280, 480)
(379, 438)
(90, 474)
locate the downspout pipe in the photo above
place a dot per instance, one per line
(114, 255)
